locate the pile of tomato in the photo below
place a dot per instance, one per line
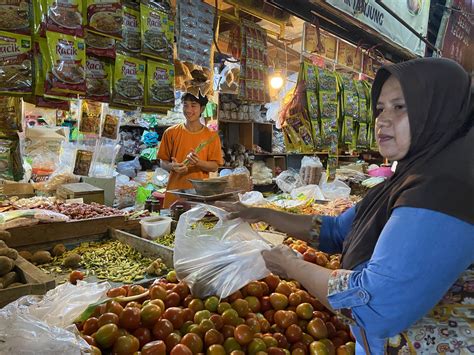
(314, 256)
(270, 316)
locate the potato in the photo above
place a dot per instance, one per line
(72, 261)
(3, 244)
(5, 235)
(9, 252)
(8, 279)
(6, 265)
(15, 284)
(41, 257)
(59, 249)
(25, 254)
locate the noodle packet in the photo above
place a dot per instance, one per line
(157, 33)
(63, 16)
(105, 17)
(129, 80)
(83, 162)
(100, 46)
(131, 38)
(110, 126)
(159, 84)
(16, 16)
(16, 75)
(98, 79)
(67, 59)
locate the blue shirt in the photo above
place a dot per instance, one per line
(419, 255)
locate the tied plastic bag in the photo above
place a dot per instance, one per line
(311, 170)
(253, 198)
(307, 193)
(160, 178)
(42, 324)
(217, 261)
(335, 189)
(289, 180)
(129, 168)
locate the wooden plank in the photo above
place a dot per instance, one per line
(144, 246)
(58, 232)
(37, 282)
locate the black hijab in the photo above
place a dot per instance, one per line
(438, 171)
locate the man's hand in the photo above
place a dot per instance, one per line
(193, 159)
(178, 168)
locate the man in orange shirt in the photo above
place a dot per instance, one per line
(177, 149)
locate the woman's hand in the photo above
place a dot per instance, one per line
(178, 168)
(239, 210)
(280, 260)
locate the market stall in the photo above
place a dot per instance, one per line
(88, 89)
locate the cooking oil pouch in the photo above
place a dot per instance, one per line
(99, 45)
(16, 16)
(159, 84)
(98, 79)
(16, 73)
(67, 59)
(129, 80)
(131, 37)
(157, 33)
(64, 16)
(105, 17)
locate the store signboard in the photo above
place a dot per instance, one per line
(414, 12)
(458, 39)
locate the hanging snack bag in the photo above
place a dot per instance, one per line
(10, 115)
(110, 126)
(83, 162)
(131, 38)
(129, 80)
(90, 117)
(16, 75)
(99, 46)
(159, 84)
(64, 16)
(157, 33)
(15, 16)
(67, 60)
(98, 79)
(105, 17)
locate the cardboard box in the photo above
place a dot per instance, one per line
(107, 184)
(82, 190)
(18, 189)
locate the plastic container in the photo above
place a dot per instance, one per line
(155, 227)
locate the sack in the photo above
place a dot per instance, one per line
(217, 261)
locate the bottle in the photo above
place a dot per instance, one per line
(178, 211)
(155, 206)
(148, 205)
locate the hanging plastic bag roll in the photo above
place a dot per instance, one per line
(217, 261)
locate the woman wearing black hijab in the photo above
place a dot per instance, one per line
(407, 281)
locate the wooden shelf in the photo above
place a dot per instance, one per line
(242, 121)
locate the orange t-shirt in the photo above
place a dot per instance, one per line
(177, 142)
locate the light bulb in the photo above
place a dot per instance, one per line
(276, 82)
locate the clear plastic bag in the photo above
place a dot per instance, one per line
(23, 218)
(160, 178)
(129, 168)
(104, 158)
(42, 324)
(220, 260)
(307, 193)
(335, 189)
(253, 198)
(311, 170)
(289, 180)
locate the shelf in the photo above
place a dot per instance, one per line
(241, 121)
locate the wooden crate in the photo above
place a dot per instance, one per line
(36, 236)
(82, 190)
(36, 282)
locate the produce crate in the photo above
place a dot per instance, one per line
(36, 282)
(62, 232)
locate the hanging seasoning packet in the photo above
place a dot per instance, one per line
(110, 127)
(16, 75)
(10, 115)
(90, 117)
(83, 162)
(67, 60)
(64, 16)
(159, 84)
(99, 46)
(131, 37)
(16, 16)
(98, 79)
(157, 33)
(129, 80)
(105, 17)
